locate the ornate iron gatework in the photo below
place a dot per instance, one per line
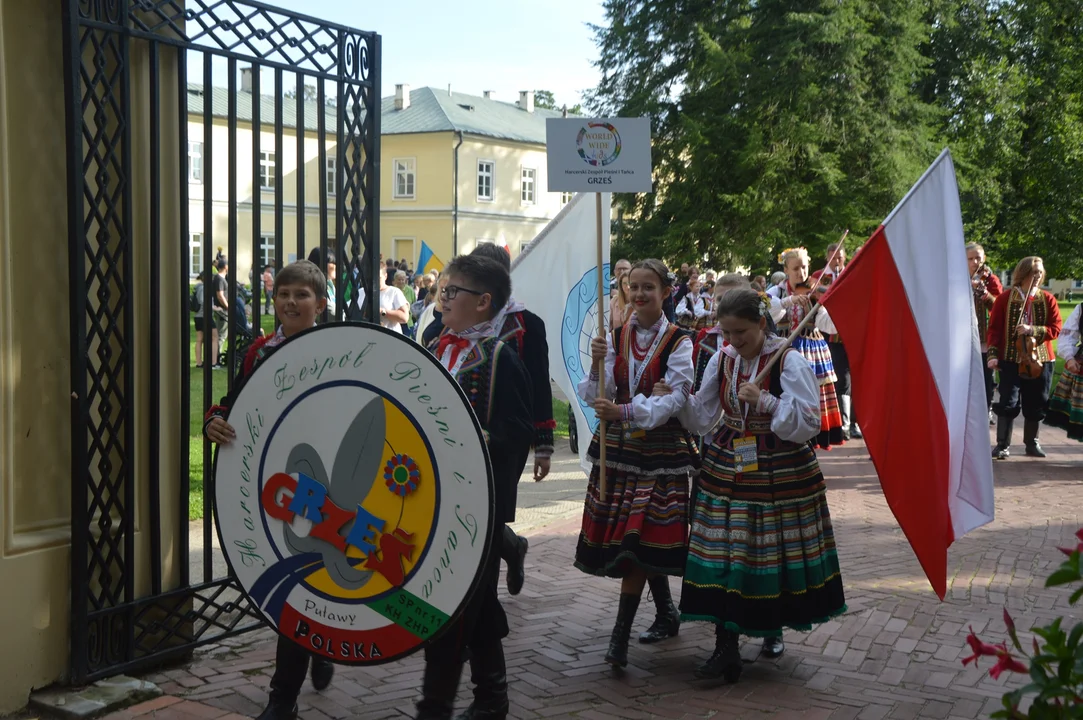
(119, 56)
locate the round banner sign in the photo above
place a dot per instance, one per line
(355, 505)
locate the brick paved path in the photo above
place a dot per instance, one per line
(895, 654)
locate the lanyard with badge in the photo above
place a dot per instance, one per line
(745, 457)
(636, 375)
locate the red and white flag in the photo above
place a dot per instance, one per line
(905, 309)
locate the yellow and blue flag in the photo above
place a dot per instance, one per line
(428, 261)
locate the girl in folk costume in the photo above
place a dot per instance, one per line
(761, 553)
(708, 340)
(1066, 405)
(796, 299)
(637, 530)
(1022, 314)
(694, 309)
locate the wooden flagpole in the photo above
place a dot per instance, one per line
(804, 321)
(602, 489)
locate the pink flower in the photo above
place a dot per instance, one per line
(980, 648)
(1007, 662)
(1008, 621)
(1077, 548)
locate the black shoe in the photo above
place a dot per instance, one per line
(667, 619)
(617, 656)
(439, 685)
(489, 674)
(1000, 452)
(773, 647)
(517, 567)
(1030, 439)
(725, 662)
(855, 432)
(322, 672)
(474, 713)
(1035, 450)
(278, 710)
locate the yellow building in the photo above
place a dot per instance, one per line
(430, 137)
(460, 169)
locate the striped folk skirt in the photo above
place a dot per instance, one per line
(815, 349)
(761, 553)
(1066, 405)
(641, 522)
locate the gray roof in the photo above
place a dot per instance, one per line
(431, 110)
(434, 110)
(220, 108)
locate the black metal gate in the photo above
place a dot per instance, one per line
(129, 65)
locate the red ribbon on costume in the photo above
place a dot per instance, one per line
(459, 344)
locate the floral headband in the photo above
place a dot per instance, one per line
(765, 304)
(782, 255)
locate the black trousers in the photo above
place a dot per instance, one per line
(990, 383)
(291, 667)
(482, 623)
(1029, 395)
(509, 546)
(841, 362)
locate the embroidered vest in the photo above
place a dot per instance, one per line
(656, 368)
(1039, 316)
(476, 375)
(755, 423)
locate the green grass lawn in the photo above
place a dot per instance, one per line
(196, 470)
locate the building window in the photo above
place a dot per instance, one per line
(405, 178)
(1077, 284)
(329, 172)
(485, 179)
(195, 163)
(266, 251)
(195, 254)
(565, 198)
(267, 170)
(529, 181)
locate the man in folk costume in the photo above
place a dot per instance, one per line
(987, 289)
(497, 386)
(836, 257)
(636, 530)
(796, 298)
(1066, 405)
(1025, 312)
(525, 333)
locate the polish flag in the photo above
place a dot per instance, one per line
(905, 310)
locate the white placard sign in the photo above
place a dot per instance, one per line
(599, 154)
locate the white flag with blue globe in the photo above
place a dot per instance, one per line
(556, 277)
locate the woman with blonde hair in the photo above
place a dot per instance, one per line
(797, 297)
(1022, 311)
(620, 307)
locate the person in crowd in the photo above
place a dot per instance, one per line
(394, 309)
(840, 361)
(796, 297)
(299, 300)
(1024, 322)
(431, 314)
(621, 267)
(709, 339)
(268, 278)
(620, 305)
(777, 278)
(987, 288)
(525, 333)
(315, 258)
(694, 310)
(636, 529)
(197, 320)
(759, 283)
(1066, 405)
(499, 390)
(408, 293)
(691, 276)
(219, 307)
(761, 554)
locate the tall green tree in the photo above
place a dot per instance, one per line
(779, 122)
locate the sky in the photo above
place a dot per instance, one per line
(476, 45)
